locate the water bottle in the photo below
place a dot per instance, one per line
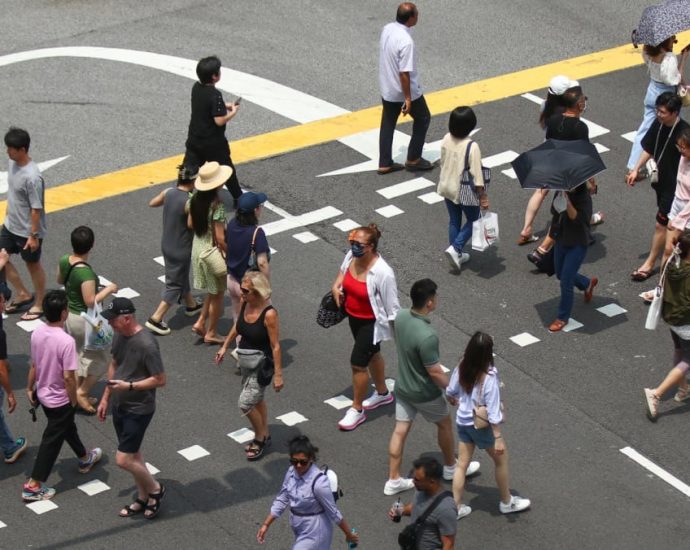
(352, 544)
(397, 511)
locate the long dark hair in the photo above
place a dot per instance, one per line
(665, 46)
(199, 206)
(553, 105)
(476, 360)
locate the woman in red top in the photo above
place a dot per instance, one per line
(367, 284)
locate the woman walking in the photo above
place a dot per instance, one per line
(457, 151)
(474, 382)
(259, 330)
(366, 284)
(676, 312)
(207, 220)
(306, 491)
(665, 73)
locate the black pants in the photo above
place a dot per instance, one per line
(60, 428)
(199, 152)
(389, 118)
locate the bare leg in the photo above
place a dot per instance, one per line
(38, 277)
(674, 378)
(535, 202)
(465, 452)
(658, 242)
(189, 300)
(360, 381)
(215, 308)
(258, 417)
(396, 446)
(502, 476)
(160, 312)
(21, 292)
(446, 440)
(200, 326)
(83, 392)
(377, 368)
(135, 465)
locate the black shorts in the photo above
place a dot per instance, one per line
(364, 348)
(130, 429)
(664, 200)
(14, 244)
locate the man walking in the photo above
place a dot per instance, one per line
(400, 91)
(420, 386)
(440, 524)
(53, 377)
(133, 376)
(659, 143)
(25, 223)
(206, 139)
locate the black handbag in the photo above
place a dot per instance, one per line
(407, 539)
(329, 313)
(265, 372)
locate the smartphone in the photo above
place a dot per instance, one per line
(238, 100)
(111, 383)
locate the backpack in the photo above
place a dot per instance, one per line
(332, 480)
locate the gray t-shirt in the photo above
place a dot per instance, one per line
(137, 357)
(443, 521)
(176, 242)
(25, 191)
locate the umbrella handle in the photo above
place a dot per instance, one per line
(633, 37)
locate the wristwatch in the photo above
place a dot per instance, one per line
(34, 235)
(131, 386)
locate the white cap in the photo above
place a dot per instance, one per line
(559, 84)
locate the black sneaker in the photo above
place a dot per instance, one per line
(192, 311)
(159, 327)
(535, 257)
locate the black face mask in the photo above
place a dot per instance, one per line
(357, 250)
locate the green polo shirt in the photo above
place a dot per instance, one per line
(417, 345)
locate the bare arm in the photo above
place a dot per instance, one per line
(159, 199)
(437, 376)
(228, 339)
(219, 232)
(232, 111)
(262, 261)
(273, 328)
(31, 382)
(5, 383)
(632, 176)
(103, 405)
(335, 289)
(405, 84)
(70, 377)
(448, 542)
(89, 295)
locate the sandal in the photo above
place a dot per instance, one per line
(527, 239)
(31, 315)
(151, 510)
(16, 307)
(640, 275)
(255, 449)
(557, 325)
(266, 442)
(128, 511)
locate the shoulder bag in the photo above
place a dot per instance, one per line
(253, 264)
(407, 539)
(480, 413)
(329, 313)
(655, 307)
(468, 192)
(652, 164)
(213, 257)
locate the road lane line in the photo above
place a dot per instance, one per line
(326, 130)
(294, 222)
(409, 186)
(499, 158)
(656, 470)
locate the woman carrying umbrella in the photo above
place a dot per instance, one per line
(665, 73)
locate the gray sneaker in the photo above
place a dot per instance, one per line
(93, 456)
(18, 451)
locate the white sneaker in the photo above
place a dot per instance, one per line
(516, 504)
(351, 420)
(464, 511)
(395, 486)
(472, 468)
(453, 257)
(376, 400)
(652, 402)
(449, 471)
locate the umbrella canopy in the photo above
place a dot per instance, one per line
(558, 164)
(662, 21)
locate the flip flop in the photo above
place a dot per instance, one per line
(16, 307)
(31, 315)
(640, 275)
(214, 341)
(527, 239)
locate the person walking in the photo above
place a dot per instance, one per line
(457, 149)
(419, 385)
(259, 329)
(307, 493)
(24, 227)
(658, 144)
(247, 246)
(440, 525)
(206, 141)
(12, 447)
(52, 384)
(207, 220)
(134, 374)
(474, 383)
(81, 284)
(679, 215)
(366, 285)
(675, 311)
(401, 92)
(176, 245)
(665, 73)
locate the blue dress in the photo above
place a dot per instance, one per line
(312, 513)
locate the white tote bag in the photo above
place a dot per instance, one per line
(655, 307)
(485, 231)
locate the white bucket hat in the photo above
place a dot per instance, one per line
(559, 84)
(211, 176)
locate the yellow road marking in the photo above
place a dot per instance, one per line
(323, 131)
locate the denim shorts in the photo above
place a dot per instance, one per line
(484, 438)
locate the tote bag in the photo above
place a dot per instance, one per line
(485, 231)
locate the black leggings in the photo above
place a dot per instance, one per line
(364, 348)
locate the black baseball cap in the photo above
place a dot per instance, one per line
(119, 306)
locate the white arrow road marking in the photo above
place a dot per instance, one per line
(42, 166)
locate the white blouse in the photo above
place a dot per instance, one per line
(665, 72)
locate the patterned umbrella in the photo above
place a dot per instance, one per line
(662, 21)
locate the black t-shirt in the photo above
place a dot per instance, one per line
(3, 342)
(566, 128)
(207, 103)
(653, 142)
(574, 232)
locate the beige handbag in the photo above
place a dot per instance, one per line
(684, 93)
(480, 414)
(213, 257)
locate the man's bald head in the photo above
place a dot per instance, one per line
(406, 11)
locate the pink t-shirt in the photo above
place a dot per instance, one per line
(53, 351)
(683, 179)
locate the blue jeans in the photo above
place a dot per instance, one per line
(459, 234)
(654, 90)
(7, 441)
(389, 119)
(567, 260)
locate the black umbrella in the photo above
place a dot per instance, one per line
(558, 164)
(662, 21)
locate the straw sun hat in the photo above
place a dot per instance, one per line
(211, 176)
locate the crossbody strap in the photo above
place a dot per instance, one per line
(71, 267)
(254, 237)
(421, 519)
(656, 144)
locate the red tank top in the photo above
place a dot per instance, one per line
(357, 298)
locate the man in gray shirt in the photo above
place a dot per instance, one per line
(437, 531)
(133, 376)
(25, 223)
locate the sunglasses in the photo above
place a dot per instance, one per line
(244, 291)
(360, 244)
(299, 461)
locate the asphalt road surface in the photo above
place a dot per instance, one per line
(574, 400)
